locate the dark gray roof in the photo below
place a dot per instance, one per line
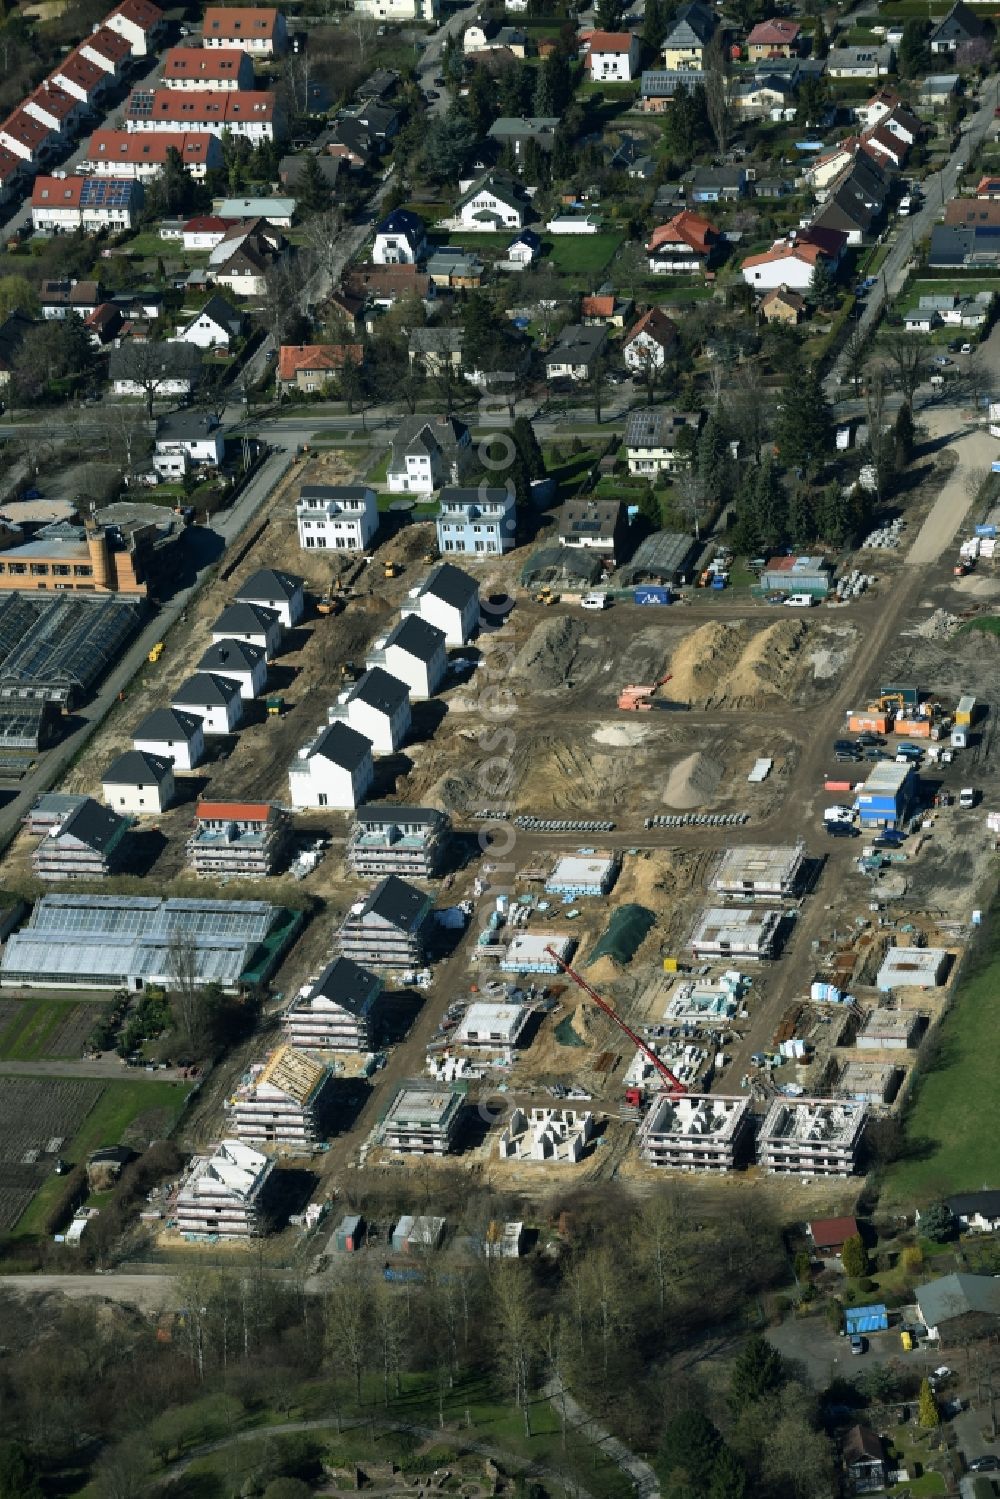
(415, 636)
(958, 1295)
(451, 585)
(136, 768)
(954, 245)
(190, 426)
(343, 746)
(960, 25)
(221, 312)
(205, 689)
(269, 583)
(96, 826)
(167, 724)
(694, 23)
(423, 432)
(349, 985)
(245, 619)
(965, 1204)
(657, 426)
(232, 655)
(590, 518)
(578, 343)
(290, 168)
(455, 495)
(386, 814)
(150, 361)
(379, 689)
(399, 903)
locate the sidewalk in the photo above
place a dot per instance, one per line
(647, 1485)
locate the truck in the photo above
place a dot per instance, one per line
(967, 798)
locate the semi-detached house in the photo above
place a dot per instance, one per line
(121, 153)
(140, 22)
(257, 29)
(196, 69)
(65, 204)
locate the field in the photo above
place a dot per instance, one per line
(79, 1114)
(952, 1126)
(576, 254)
(31, 1029)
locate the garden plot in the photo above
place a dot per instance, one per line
(34, 1114)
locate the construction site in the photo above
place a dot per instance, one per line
(658, 939)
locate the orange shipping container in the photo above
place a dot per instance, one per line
(837, 786)
(868, 723)
(914, 728)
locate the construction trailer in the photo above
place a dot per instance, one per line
(811, 1137)
(414, 1235)
(423, 1119)
(887, 796)
(282, 1103)
(338, 1012)
(221, 1196)
(406, 841)
(695, 1132)
(859, 1319)
(756, 869)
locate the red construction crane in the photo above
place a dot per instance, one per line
(673, 1083)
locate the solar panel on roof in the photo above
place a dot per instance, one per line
(105, 192)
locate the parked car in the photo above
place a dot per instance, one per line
(941, 360)
(841, 829)
(988, 1463)
(858, 1344)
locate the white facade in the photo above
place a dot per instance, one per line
(174, 385)
(378, 709)
(184, 749)
(238, 662)
(282, 593)
(459, 619)
(335, 770)
(216, 717)
(220, 1195)
(398, 10)
(779, 268)
(266, 635)
(617, 66)
(337, 519)
(499, 214)
(174, 455)
(644, 352)
(139, 35)
(138, 793)
(204, 332)
(421, 664)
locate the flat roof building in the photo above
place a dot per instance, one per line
(811, 1137)
(751, 932)
(887, 795)
(874, 1083)
(494, 1028)
(221, 1194)
(584, 875)
(890, 1030)
(282, 1103)
(528, 953)
(695, 1132)
(759, 870)
(913, 968)
(388, 839)
(337, 1012)
(422, 1120)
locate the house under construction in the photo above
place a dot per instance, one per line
(245, 839)
(90, 843)
(695, 1132)
(812, 1136)
(338, 1012)
(283, 1103)
(221, 1196)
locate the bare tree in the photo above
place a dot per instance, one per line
(123, 433)
(517, 1333)
(347, 1325)
(908, 356)
(321, 235)
(880, 447)
(362, 29)
(856, 358)
(153, 365)
(283, 285)
(693, 495)
(182, 970)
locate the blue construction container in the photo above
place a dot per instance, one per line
(652, 595)
(858, 1319)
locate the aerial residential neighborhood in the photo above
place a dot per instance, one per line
(499, 667)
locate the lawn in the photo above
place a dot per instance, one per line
(952, 1123)
(121, 1103)
(988, 626)
(578, 254)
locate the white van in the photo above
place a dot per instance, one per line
(799, 601)
(594, 601)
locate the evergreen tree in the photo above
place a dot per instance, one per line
(563, 155)
(937, 1222)
(801, 515)
(854, 1257)
(914, 52)
(821, 286)
(821, 42)
(17, 1476)
(805, 424)
(714, 459)
(690, 1446)
(728, 1478)
(928, 1414)
(758, 1371)
(654, 24)
(544, 100)
(904, 436)
(610, 14)
(528, 446)
(312, 189)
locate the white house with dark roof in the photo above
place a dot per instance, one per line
(217, 326)
(239, 662)
(494, 202)
(414, 652)
(337, 517)
(388, 928)
(184, 440)
(175, 736)
(449, 599)
(377, 706)
(216, 701)
(252, 623)
(400, 239)
(272, 589)
(335, 770)
(428, 452)
(337, 1012)
(139, 783)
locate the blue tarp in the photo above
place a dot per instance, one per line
(865, 1319)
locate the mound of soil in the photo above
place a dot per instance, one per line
(693, 781)
(732, 666)
(548, 654)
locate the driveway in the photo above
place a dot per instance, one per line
(825, 1355)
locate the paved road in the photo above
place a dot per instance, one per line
(150, 1293)
(937, 190)
(227, 527)
(104, 1067)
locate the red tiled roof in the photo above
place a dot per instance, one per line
(57, 192)
(25, 128)
(795, 251)
(655, 324)
(239, 21)
(140, 12)
(208, 104)
(109, 44)
(610, 41)
(295, 357)
(81, 71)
(234, 811)
(690, 228)
(595, 306)
(831, 1232)
(774, 33)
(53, 100)
(133, 145)
(208, 223)
(203, 62)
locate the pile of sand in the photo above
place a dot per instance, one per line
(693, 781)
(625, 735)
(978, 586)
(548, 654)
(732, 666)
(938, 626)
